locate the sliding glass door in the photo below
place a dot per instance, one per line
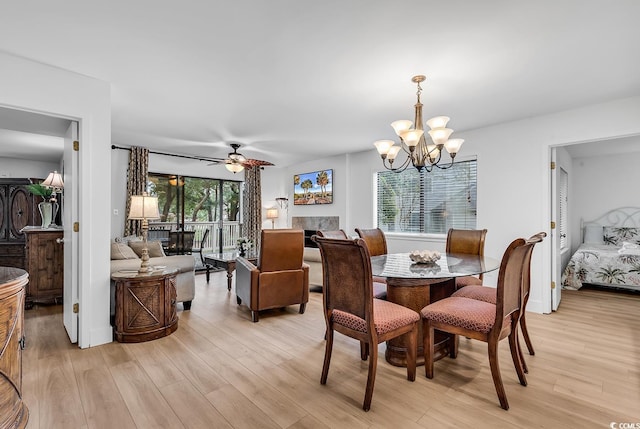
(198, 204)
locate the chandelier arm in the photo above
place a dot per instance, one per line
(445, 166)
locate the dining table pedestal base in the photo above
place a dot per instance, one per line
(416, 294)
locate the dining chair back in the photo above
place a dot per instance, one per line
(467, 241)
(198, 249)
(340, 234)
(349, 307)
(377, 245)
(180, 242)
(482, 320)
(375, 239)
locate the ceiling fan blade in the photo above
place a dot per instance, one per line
(256, 162)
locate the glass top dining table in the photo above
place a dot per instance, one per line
(415, 286)
(450, 265)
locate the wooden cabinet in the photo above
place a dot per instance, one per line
(145, 305)
(45, 264)
(18, 208)
(13, 411)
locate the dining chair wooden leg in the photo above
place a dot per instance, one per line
(371, 378)
(525, 334)
(454, 342)
(364, 350)
(516, 355)
(412, 351)
(495, 373)
(327, 355)
(427, 346)
(521, 355)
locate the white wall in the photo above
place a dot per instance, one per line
(513, 181)
(599, 184)
(32, 86)
(26, 168)
(341, 189)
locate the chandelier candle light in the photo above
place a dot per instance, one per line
(412, 140)
(144, 207)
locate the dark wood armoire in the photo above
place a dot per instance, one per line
(18, 208)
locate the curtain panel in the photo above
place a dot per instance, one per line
(252, 205)
(136, 185)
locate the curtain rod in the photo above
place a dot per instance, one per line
(177, 155)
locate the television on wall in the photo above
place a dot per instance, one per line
(313, 188)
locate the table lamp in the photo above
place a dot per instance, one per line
(144, 207)
(55, 183)
(272, 213)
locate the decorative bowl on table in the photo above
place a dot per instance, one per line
(424, 256)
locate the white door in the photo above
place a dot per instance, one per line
(69, 216)
(556, 256)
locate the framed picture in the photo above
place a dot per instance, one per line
(313, 188)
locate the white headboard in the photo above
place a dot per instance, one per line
(621, 217)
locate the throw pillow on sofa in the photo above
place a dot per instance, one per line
(122, 251)
(154, 247)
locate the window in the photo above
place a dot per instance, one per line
(563, 204)
(199, 204)
(422, 202)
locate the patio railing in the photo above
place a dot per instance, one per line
(229, 234)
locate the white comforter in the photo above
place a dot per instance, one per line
(603, 264)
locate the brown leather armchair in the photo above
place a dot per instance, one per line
(280, 279)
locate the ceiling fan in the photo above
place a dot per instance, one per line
(236, 162)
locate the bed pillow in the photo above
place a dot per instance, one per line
(154, 247)
(122, 251)
(593, 234)
(616, 235)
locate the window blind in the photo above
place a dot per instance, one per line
(422, 202)
(563, 206)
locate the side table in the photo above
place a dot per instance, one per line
(145, 305)
(226, 260)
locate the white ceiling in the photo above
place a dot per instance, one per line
(295, 80)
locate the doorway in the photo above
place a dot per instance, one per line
(597, 173)
(35, 145)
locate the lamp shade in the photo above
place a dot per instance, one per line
(272, 213)
(144, 207)
(53, 180)
(234, 167)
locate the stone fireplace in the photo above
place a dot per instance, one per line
(310, 224)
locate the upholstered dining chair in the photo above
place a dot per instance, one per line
(467, 241)
(349, 307)
(488, 294)
(280, 279)
(377, 245)
(340, 234)
(482, 320)
(200, 247)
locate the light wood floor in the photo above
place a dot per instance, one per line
(219, 370)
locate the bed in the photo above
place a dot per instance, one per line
(609, 254)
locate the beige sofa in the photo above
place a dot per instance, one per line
(124, 257)
(312, 258)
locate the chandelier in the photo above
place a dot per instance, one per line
(420, 154)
